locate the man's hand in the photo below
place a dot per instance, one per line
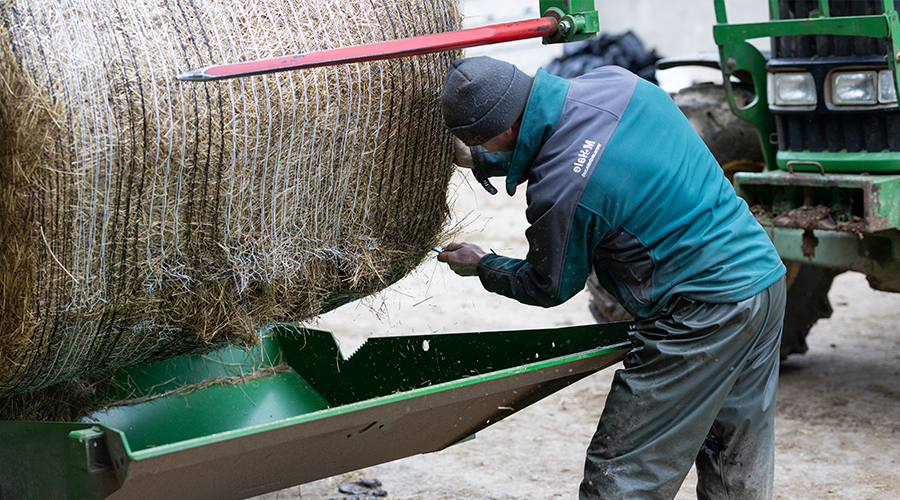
(463, 258)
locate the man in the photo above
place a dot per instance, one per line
(620, 183)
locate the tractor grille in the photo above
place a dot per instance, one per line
(834, 131)
(807, 46)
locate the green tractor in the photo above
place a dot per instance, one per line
(809, 132)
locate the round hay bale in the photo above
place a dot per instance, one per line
(143, 218)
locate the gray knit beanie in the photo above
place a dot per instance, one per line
(482, 98)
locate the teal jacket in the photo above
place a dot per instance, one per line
(619, 182)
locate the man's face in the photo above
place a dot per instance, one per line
(503, 143)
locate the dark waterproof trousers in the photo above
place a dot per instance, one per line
(699, 385)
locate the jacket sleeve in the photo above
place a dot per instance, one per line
(556, 267)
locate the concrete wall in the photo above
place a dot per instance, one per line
(671, 27)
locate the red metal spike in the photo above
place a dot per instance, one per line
(426, 44)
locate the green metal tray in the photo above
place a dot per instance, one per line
(294, 410)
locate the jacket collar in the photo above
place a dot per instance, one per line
(542, 112)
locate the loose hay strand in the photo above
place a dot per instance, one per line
(143, 218)
(261, 372)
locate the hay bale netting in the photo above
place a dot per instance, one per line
(145, 218)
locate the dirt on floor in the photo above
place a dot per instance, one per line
(838, 424)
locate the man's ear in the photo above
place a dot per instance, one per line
(462, 155)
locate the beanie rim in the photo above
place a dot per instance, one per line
(507, 108)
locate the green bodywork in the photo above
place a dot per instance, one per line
(875, 255)
(234, 424)
(859, 188)
(739, 58)
(865, 236)
(872, 201)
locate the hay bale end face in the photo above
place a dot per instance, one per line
(143, 218)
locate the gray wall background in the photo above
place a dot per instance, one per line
(672, 27)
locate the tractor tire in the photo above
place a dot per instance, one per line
(733, 141)
(603, 306)
(807, 302)
(735, 145)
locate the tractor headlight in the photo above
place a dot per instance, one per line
(887, 92)
(792, 89)
(856, 88)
